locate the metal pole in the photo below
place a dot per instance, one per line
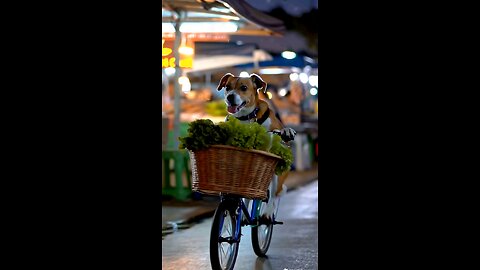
(178, 71)
(255, 62)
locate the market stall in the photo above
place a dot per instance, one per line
(184, 23)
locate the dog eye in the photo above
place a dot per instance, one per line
(243, 88)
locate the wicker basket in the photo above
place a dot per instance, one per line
(231, 170)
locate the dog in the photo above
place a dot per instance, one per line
(243, 102)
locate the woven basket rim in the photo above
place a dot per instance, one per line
(246, 150)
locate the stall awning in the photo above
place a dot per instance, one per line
(211, 56)
(249, 20)
(278, 61)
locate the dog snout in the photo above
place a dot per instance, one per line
(231, 99)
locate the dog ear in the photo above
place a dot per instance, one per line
(224, 80)
(258, 82)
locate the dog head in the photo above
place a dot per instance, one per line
(241, 92)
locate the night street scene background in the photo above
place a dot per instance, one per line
(277, 40)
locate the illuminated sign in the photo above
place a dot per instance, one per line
(168, 58)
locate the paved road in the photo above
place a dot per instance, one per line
(294, 244)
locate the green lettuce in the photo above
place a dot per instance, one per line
(203, 132)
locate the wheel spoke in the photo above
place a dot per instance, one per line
(226, 249)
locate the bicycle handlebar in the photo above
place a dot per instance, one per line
(285, 138)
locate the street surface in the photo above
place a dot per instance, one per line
(294, 244)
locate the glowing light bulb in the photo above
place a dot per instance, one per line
(282, 92)
(244, 74)
(288, 54)
(294, 76)
(313, 91)
(185, 50)
(303, 77)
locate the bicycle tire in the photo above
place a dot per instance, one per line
(261, 235)
(224, 219)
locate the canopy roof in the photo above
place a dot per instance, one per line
(250, 21)
(299, 61)
(211, 56)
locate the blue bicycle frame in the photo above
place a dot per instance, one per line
(251, 219)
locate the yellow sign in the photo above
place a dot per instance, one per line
(168, 59)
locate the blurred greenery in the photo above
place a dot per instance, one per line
(216, 108)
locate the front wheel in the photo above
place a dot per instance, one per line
(261, 234)
(223, 246)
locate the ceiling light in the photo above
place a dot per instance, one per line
(273, 71)
(201, 27)
(288, 54)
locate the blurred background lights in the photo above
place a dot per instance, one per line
(269, 95)
(273, 71)
(186, 50)
(185, 83)
(170, 71)
(313, 91)
(294, 76)
(313, 80)
(244, 74)
(201, 27)
(303, 77)
(282, 92)
(288, 54)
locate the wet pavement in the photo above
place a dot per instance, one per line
(294, 244)
(177, 215)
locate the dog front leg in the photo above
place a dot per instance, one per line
(281, 187)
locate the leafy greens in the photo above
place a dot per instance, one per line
(203, 132)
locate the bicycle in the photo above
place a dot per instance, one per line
(225, 234)
(226, 228)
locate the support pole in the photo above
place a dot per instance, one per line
(177, 89)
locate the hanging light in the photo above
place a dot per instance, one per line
(288, 54)
(244, 74)
(184, 49)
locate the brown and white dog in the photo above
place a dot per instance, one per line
(243, 102)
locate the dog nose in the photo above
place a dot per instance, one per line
(231, 99)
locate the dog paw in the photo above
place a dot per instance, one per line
(282, 192)
(288, 134)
